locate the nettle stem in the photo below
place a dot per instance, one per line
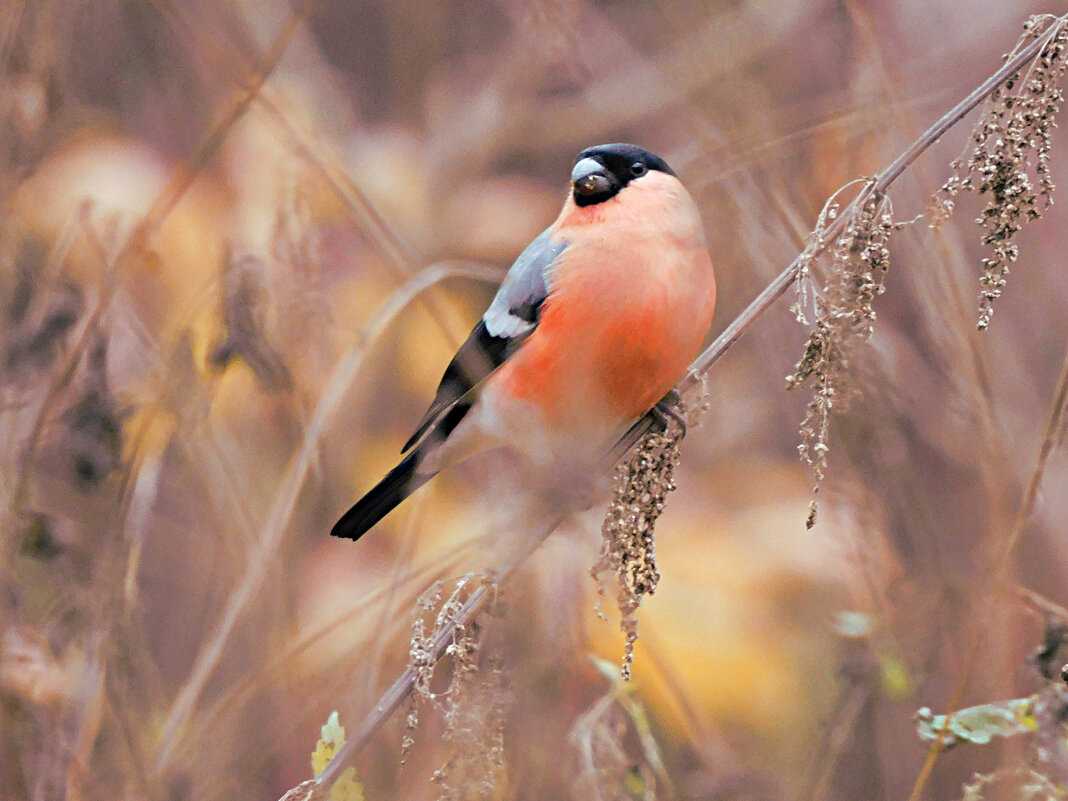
(868, 197)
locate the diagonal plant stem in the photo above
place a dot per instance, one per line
(873, 188)
(1054, 432)
(400, 689)
(399, 257)
(329, 165)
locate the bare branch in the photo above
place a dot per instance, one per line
(874, 188)
(399, 690)
(877, 186)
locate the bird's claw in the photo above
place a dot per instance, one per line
(668, 409)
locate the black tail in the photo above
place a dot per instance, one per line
(401, 482)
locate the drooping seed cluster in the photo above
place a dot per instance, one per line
(1008, 165)
(1009, 160)
(640, 486)
(844, 318)
(472, 703)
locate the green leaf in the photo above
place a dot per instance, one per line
(978, 724)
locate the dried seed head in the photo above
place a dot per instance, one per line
(628, 549)
(94, 423)
(844, 318)
(1009, 161)
(473, 702)
(40, 308)
(244, 311)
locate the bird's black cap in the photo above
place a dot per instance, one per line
(602, 171)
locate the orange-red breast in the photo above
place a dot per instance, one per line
(595, 322)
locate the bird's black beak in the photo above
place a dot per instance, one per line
(590, 177)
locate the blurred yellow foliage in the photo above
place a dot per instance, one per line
(332, 737)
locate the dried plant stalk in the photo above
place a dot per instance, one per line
(1015, 127)
(400, 689)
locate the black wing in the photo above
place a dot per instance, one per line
(510, 319)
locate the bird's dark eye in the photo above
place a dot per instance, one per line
(637, 169)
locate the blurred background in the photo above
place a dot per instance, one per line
(210, 348)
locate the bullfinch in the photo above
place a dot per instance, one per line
(594, 323)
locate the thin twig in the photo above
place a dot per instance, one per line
(1054, 431)
(183, 177)
(400, 689)
(400, 261)
(442, 562)
(877, 186)
(1045, 605)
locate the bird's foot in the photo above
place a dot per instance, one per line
(667, 410)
